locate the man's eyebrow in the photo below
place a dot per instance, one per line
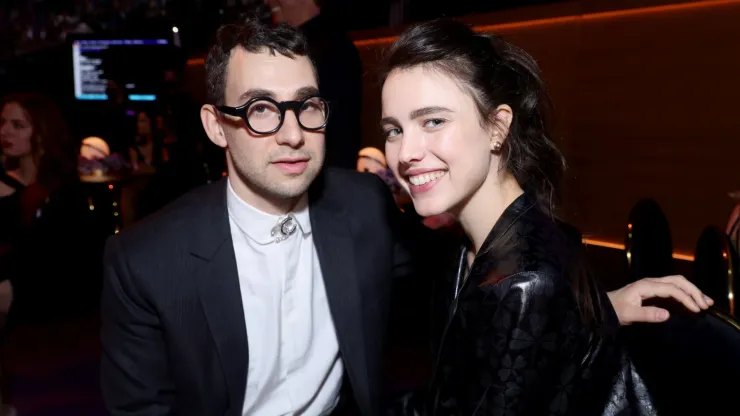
(304, 92)
(255, 92)
(251, 93)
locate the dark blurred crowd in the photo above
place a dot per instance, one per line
(27, 25)
(55, 215)
(30, 25)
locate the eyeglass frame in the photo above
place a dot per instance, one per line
(283, 106)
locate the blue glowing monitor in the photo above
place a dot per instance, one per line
(132, 62)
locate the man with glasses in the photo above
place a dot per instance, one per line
(267, 293)
(238, 298)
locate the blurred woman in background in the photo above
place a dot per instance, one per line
(39, 156)
(43, 210)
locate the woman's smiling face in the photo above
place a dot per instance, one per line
(436, 144)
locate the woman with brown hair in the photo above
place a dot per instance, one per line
(42, 210)
(39, 156)
(528, 331)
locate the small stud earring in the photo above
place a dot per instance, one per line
(497, 146)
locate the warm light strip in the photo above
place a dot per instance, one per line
(573, 18)
(617, 246)
(600, 243)
(557, 20)
(685, 257)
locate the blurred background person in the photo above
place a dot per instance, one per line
(340, 73)
(43, 209)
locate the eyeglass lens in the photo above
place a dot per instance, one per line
(264, 116)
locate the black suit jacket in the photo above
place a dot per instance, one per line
(174, 337)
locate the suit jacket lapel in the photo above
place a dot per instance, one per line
(220, 295)
(335, 249)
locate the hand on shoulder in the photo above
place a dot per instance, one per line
(628, 300)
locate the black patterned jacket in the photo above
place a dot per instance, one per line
(516, 343)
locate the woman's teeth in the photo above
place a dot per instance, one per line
(419, 180)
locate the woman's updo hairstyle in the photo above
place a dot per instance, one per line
(495, 72)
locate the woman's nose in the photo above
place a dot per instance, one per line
(412, 149)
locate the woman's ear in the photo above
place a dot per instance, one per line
(501, 123)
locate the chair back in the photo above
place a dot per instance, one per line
(733, 228)
(648, 242)
(690, 364)
(715, 268)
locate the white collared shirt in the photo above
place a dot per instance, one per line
(294, 364)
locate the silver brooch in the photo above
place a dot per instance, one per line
(285, 227)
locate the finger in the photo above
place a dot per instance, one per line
(649, 314)
(668, 290)
(700, 298)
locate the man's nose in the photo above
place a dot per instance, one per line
(290, 133)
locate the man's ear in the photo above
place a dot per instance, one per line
(209, 118)
(501, 123)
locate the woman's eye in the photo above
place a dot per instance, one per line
(434, 122)
(392, 133)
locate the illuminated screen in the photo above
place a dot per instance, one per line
(130, 61)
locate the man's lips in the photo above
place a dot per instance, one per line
(292, 166)
(291, 160)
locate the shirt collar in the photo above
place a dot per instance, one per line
(257, 224)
